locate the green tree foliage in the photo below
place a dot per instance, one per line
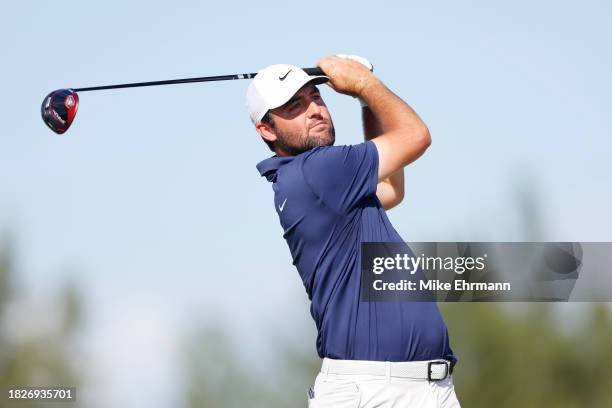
(42, 357)
(217, 377)
(526, 360)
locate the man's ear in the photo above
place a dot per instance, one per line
(266, 132)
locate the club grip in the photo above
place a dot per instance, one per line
(313, 71)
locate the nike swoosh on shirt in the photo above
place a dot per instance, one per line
(282, 206)
(285, 76)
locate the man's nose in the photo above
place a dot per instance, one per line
(314, 109)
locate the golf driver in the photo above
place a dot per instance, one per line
(59, 107)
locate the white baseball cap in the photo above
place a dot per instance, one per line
(275, 85)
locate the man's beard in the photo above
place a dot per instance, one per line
(307, 143)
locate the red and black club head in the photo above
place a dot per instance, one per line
(59, 109)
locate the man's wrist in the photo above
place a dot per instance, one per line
(367, 85)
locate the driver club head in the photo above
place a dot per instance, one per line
(59, 109)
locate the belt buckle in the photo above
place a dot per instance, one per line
(429, 364)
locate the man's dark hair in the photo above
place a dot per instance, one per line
(267, 119)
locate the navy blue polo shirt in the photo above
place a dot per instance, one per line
(326, 202)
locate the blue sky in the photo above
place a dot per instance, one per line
(153, 193)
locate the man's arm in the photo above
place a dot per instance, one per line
(404, 136)
(389, 191)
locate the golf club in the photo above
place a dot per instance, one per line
(60, 106)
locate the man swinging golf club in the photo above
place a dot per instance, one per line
(329, 200)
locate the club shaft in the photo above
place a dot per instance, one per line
(309, 71)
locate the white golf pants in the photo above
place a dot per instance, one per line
(380, 391)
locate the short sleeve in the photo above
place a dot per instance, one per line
(341, 176)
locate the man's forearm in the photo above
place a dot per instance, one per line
(390, 191)
(371, 126)
(403, 135)
(389, 110)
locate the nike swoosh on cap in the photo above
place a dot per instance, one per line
(285, 76)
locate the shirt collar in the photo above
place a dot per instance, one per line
(269, 167)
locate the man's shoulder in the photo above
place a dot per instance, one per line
(335, 150)
(346, 155)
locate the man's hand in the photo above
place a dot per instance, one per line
(346, 76)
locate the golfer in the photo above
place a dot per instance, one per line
(329, 200)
